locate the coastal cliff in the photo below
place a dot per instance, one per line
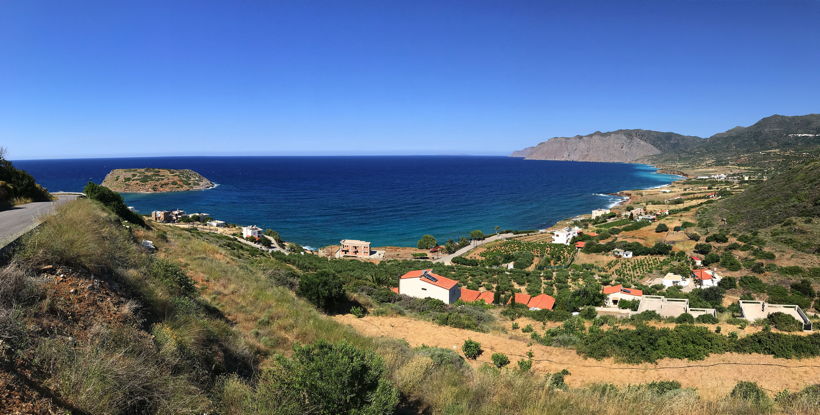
(149, 180)
(616, 146)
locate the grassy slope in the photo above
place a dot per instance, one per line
(175, 351)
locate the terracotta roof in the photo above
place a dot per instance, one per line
(702, 274)
(394, 289)
(520, 298)
(468, 295)
(487, 296)
(542, 302)
(620, 289)
(695, 258)
(580, 244)
(440, 281)
(591, 233)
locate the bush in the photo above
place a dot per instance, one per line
(525, 365)
(784, 322)
(471, 349)
(728, 261)
(707, 319)
(661, 228)
(749, 392)
(329, 379)
(663, 386)
(112, 201)
(685, 318)
(324, 289)
(500, 360)
(703, 248)
(752, 283)
(727, 283)
(357, 311)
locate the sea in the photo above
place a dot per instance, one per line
(388, 200)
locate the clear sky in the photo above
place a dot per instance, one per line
(130, 78)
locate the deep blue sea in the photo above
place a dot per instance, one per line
(389, 200)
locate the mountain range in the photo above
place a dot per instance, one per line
(777, 132)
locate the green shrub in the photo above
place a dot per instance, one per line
(749, 392)
(427, 242)
(663, 386)
(500, 360)
(324, 289)
(112, 201)
(357, 311)
(784, 322)
(685, 318)
(471, 349)
(661, 228)
(707, 319)
(525, 365)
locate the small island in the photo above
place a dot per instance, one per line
(151, 180)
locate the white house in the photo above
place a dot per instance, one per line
(216, 223)
(706, 277)
(599, 212)
(563, 236)
(615, 293)
(674, 280)
(253, 231)
(424, 283)
(698, 261)
(621, 253)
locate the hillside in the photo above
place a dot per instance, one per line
(17, 186)
(92, 323)
(788, 201)
(150, 180)
(615, 146)
(772, 142)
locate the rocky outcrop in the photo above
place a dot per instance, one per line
(617, 146)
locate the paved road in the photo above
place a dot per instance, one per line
(21, 219)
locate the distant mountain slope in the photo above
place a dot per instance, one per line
(784, 136)
(615, 146)
(794, 192)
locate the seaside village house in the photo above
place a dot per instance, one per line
(216, 223)
(706, 277)
(425, 284)
(563, 236)
(620, 253)
(163, 216)
(354, 248)
(538, 302)
(599, 212)
(614, 294)
(698, 261)
(251, 231)
(674, 280)
(473, 296)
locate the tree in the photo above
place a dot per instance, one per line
(471, 349)
(728, 261)
(661, 228)
(500, 360)
(804, 287)
(329, 379)
(711, 258)
(784, 322)
(324, 289)
(685, 318)
(749, 392)
(727, 283)
(476, 234)
(427, 242)
(703, 248)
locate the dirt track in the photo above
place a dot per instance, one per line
(713, 377)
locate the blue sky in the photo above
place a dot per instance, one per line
(130, 78)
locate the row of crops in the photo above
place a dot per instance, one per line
(524, 253)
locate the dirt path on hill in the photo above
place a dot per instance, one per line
(713, 377)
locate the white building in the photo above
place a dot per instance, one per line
(674, 280)
(599, 212)
(252, 231)
(614, 294)
(758, 310)
(216, 223)
(563, 236)
(620, 253)
(424, 283)
(706, 277)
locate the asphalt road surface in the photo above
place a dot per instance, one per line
(21, 219)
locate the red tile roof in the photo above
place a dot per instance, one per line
(520, 298)
(591, 233)
(620, 289)
(442, 282)
(487, 296)
(580, 244)
(542, 302)
(702, 274)
(394, 289)
(695, 258)
(468, 295)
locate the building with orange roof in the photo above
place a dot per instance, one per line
(424, 283)
(580, 244)
(542, 302)
(520, 298)
(473, 296)
(616, 293)
(706, 277)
